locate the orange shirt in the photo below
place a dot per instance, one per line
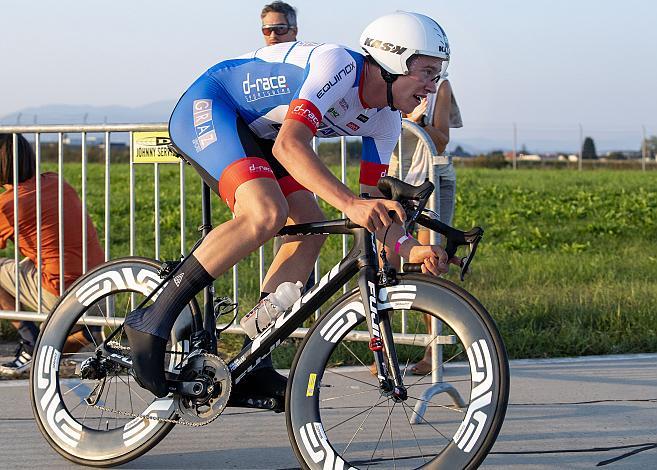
(27, 233)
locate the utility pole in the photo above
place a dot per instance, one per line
(515, 144)
(581, 144)
(644, 149)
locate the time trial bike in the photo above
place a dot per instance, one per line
(90, 409)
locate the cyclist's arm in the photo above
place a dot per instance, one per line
(433, 257)
(294, 151)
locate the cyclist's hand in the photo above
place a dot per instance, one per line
(373, 213)
(433, 259)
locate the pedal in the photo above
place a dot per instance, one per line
(258, 402)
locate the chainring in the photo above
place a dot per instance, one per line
(213, 370)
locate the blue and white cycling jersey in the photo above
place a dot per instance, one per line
(317, 84)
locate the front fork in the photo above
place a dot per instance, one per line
(379, 325)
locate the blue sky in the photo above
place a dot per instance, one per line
(547, 65)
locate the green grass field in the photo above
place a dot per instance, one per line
(567, 266)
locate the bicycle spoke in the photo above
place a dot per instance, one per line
(427, 422)
(345, 396)
(103, 315)
(436, 405)
(138, 396)
(451, 381)
(431, 371)
(71, 389)
(76, 406)
(408, 420)
(356, 415)
(408, 361)
(116, 407)
(354, 355)
(132, 410)
(84, 416)
(351, 378)
(88, 354)
(392, 443)
(383, 429)
(360, 428)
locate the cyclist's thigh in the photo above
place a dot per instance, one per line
(303, 207)
(259, 196)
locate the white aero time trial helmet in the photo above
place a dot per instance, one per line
(392, 39)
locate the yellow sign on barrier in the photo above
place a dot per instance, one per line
(152, 147)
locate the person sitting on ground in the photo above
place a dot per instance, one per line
(28, 274)
(290, 92)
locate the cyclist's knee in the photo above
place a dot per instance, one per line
(266, 219)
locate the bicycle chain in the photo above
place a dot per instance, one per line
(155, 418)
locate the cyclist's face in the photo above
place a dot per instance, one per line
(409, 89)
(274, 24)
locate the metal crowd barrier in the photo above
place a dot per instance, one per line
(108, 129)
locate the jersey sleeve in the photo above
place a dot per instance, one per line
(330, 74)
(378, 149)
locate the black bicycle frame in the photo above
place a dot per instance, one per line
(361, 259)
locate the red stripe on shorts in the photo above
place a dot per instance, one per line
(241, 171)
(289, 185)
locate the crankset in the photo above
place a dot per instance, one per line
(206, 398)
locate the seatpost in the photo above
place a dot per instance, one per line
(209, 321)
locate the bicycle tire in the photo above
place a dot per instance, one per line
(318, 431)
(67, 426)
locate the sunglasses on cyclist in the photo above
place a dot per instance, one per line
(278, 29)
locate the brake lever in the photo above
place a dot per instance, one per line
(466, 260)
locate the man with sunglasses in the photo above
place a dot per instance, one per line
(279, 23)
(288, 93)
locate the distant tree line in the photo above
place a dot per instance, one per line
(330, 152)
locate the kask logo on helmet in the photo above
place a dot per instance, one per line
(385, 46)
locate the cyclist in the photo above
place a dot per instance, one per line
(291, 92)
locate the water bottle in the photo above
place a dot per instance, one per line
(269, 308)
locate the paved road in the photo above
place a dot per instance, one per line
(569, 413)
